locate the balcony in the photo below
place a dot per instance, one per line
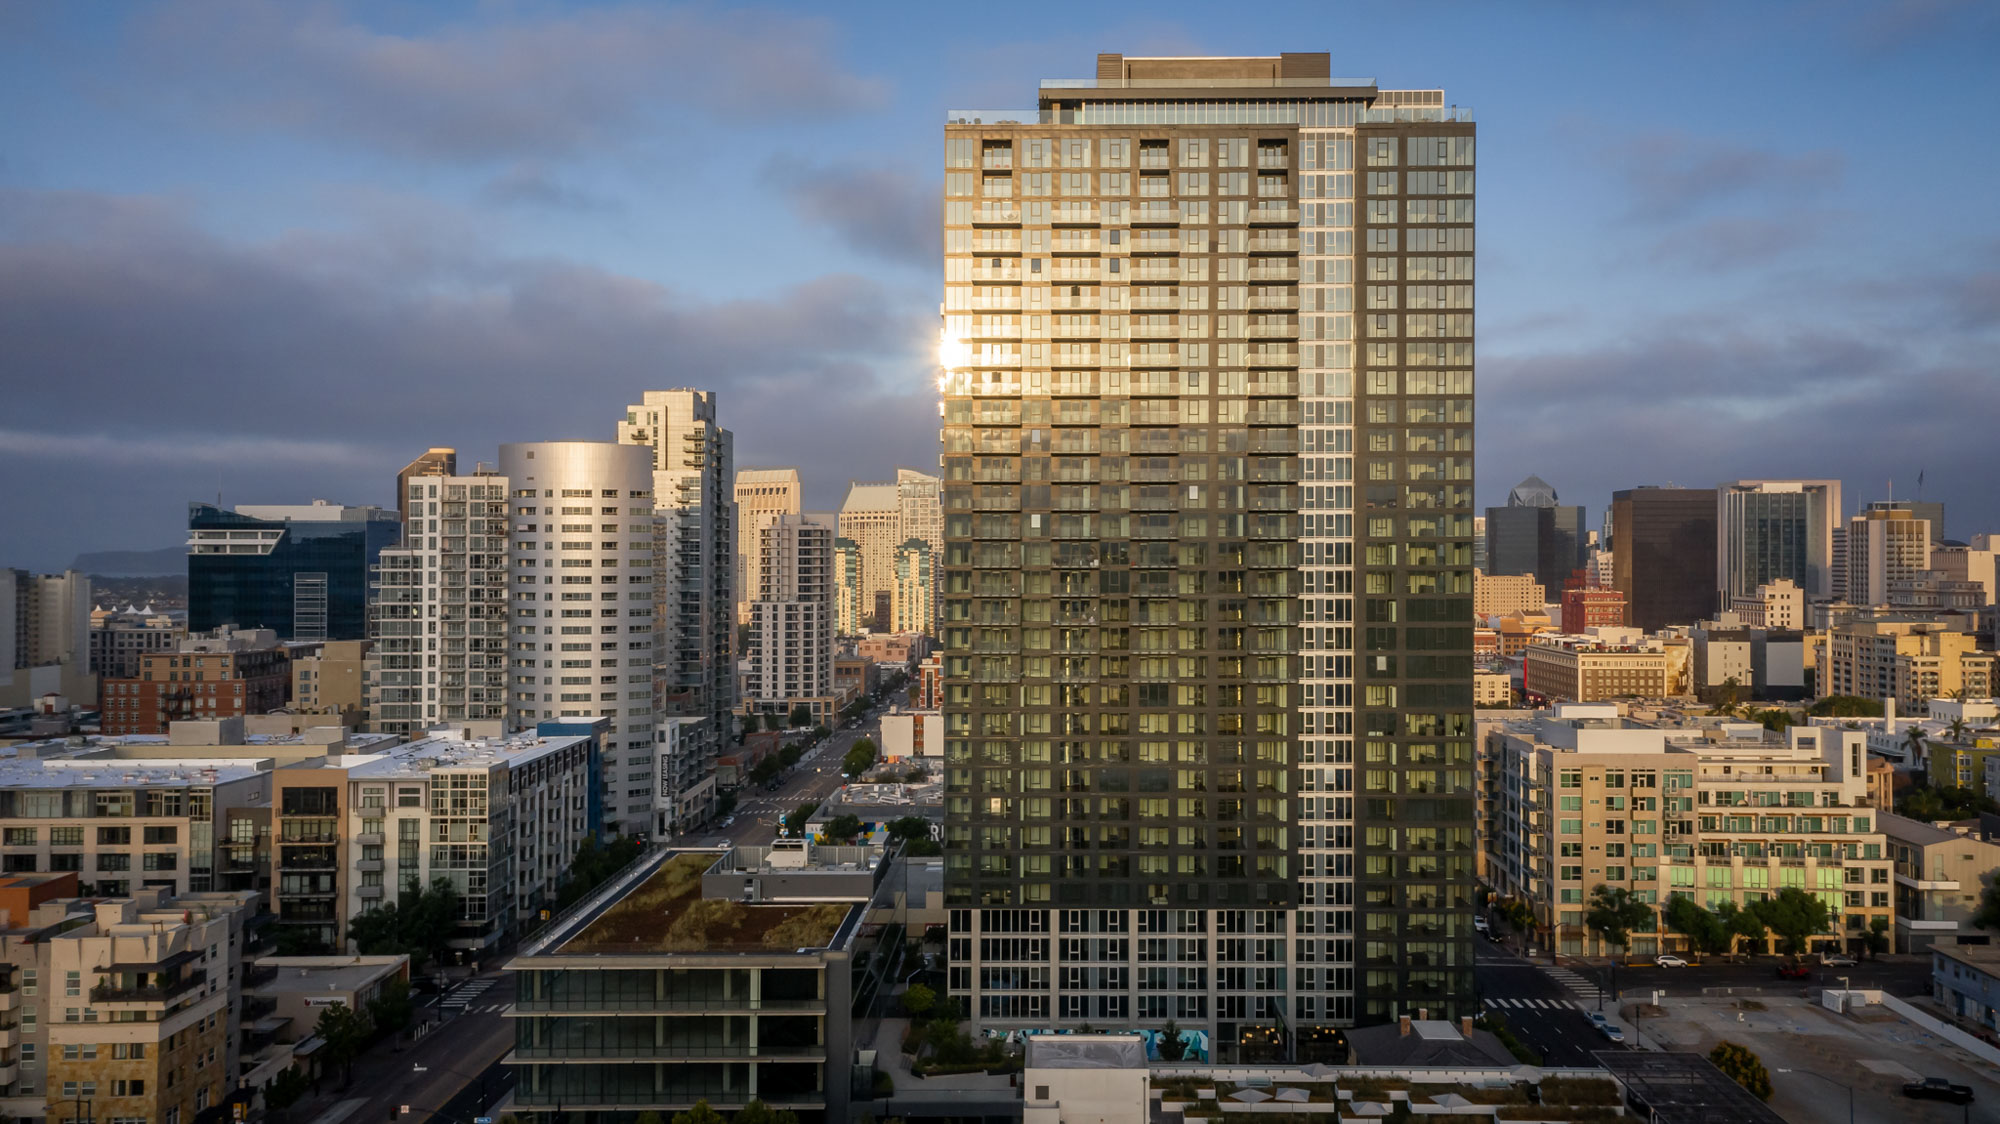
(370, 839)
(997, 213)
(10, 1000)
(369, 866)
(987, 273)
(155, 993)
(369, 893)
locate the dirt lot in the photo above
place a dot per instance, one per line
(1874, 1054)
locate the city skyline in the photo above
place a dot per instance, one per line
(508, 267)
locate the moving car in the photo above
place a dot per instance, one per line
(1669, 960)
(1610, 1033)
(1836, 960)
(1597, 1019)
(1794, 972)
(1938, 1089)
(1479, 925)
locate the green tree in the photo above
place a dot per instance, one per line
(651, 1117)
(391, 1009)
(1728, 697)
(802, 715)
(1613, 914)
(285, 1090)
(1739, 923)
(766, 771)
(795, 820)
(841, 829)
(419, 924)
(299, 940)
(757, 1112)
(1877, 937)
(789, 756)
(1703, 929)
(1172, 1046)
(1915, 739)
(345, 1031)
(1987, 916)
(923, 848)
(1928, 804)
(918, 1000)
(699, 1114)
(1794, 916)
(1775, 719)
(1742, 1067)
(1956, 728)
(859, 758)
(1846, 706)
(821, 733)
(910, 827)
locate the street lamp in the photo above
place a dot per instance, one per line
(1830, 1081)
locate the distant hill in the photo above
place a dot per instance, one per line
(133, 563)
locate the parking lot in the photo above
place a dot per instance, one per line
(1815, 1056)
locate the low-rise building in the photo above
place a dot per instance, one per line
(1604, 664)
(1778, 604)
(1939, 876)
(1585, 607)
(1965, 980)
(119, 638)
(1763, 663)
(228, 674)
(667, 996)
(1719, 811)
(912, 733)
(1492, 688)
(332, 681)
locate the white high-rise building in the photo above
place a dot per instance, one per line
(693, 460)
(586, 632)
(438, 609)
(791, 654)
(762, 496)
(872, 519)
(45, 637)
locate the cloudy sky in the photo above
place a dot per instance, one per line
(274, 249)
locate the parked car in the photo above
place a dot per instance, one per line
(1669, 960)
(1479, 925)
(1794, 972)
(1597, 1019)
(1938, 1089)
(1836, 960)
(1610, 1033)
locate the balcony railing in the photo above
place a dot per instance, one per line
(108, 993)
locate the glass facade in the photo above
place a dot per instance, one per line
(1187, 464)
(305, 579)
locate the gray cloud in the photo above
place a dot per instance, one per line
(508, 88)
(533, 185)
(168, 363)
(1733, 242)
(1671, 176)
(881, 211)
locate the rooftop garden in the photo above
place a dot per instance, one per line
(666, 913)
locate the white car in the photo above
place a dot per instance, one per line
(1479, 925)
(1670, 961)
(1836, 960)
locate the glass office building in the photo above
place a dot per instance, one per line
(300, 570)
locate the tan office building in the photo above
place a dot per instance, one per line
(1563, 668)
(1913, 661)
(1496, 595)
(332, 682)
(763, 496)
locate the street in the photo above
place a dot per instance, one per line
(1547, 1016)
(813, 779)
(451, 1073)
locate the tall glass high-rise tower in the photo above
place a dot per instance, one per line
(1206, 591)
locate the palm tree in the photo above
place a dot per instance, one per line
(1916, 740)
(1957, 728)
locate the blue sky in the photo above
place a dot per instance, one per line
(276, 249)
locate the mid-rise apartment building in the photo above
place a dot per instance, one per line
(333, 681)
(440, 614)
(499, 817)
(1720, 812)
(1940, 875)
(1911, 661)
(847, 609)
(588, 608)
(45, 637)
(119, 638)
(434, 461)
(763, 495)
(125, 1008)
(208, 677)
(1207, 583)
(916, 587)
(693, 462)
(300, 570)
(1775, 530)
(791, 655)
(1604, 664)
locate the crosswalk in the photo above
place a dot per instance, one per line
(1533, 1004)
(1584, 989)
(466, 994)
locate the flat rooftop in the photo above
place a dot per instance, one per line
(318, 979)
(428, 755)
(666, 913)
(102, 772)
